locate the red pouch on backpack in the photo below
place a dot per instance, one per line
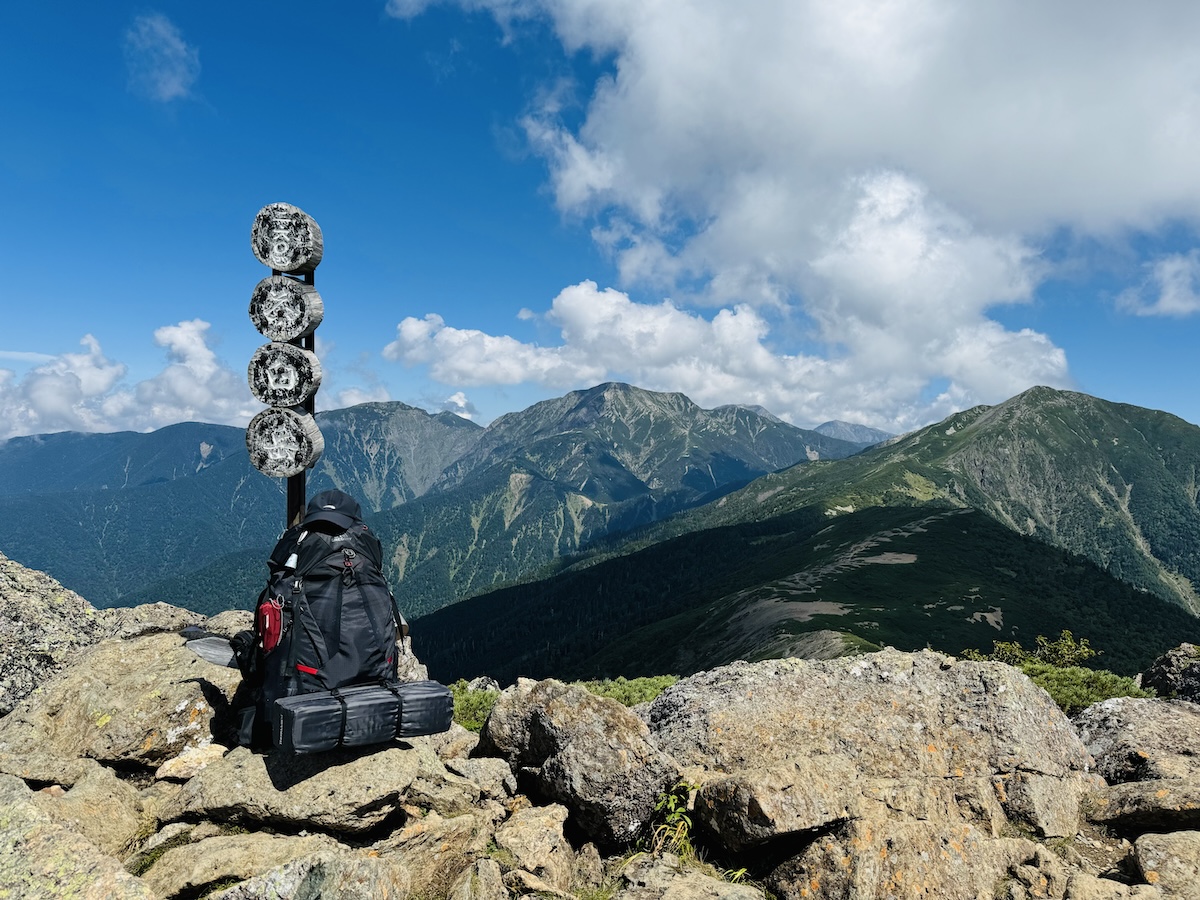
(270, 622)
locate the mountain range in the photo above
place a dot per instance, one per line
(1052, 510)
(179, 514)
(618, 531)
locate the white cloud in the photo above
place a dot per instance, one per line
(460, 405)
(161, 64)
(1015, 114)
(852, 186)
(353, 396)
(1174, 279)
(84, 391)
(896, 302)
(728, 359)
(467, 356)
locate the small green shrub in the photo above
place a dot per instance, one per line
(471, 708)
(1055, 667)
(1075, 688)
(630, 691)
(670, 828)
(1063, 651)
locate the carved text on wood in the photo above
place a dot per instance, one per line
(285, 309)
(283, 374)
(283, 442)
(287, 239)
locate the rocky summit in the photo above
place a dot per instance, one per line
(886, 775)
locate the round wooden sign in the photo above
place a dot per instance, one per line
(284, 309)
(283, 374)
(286, 238)
(283, 442)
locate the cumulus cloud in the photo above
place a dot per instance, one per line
(1091, 127)
(847, 191)
(1173, 282)
(728, 358)
(160, 63)
(85, 391)
(460, 405)
(353, 396)
(896, 302)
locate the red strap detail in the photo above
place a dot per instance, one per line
(307, 670)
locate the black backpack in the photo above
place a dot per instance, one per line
(326, 620)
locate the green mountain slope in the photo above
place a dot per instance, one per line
(1114, 483)
(908, 576)
(111, 515)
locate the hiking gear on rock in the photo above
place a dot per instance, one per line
(359, 715)
(326, 619)
(215, 649)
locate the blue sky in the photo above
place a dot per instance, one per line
(879, 212)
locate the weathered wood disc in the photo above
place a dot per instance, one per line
(284, 309)
(286, 238)
(283, 442)
(283, 374)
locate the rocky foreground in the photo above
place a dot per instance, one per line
(893, 775)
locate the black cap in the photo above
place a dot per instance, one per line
(333, 506)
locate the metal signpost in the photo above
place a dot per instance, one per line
(284, 440)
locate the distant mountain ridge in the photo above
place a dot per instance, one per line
(856, 434)
(180, 513)
(546, 481)
(666, 535)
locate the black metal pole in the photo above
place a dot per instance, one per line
(297, 488)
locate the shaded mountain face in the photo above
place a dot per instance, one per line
(178, 513)
(387, 454)
(71, 461)
(904, 576)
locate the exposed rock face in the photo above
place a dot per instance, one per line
(42, 625)
(1176, 673)
(895, 775)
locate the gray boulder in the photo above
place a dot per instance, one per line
(1137, 807)
(905, 768)
(345, 875)
(1171, 862)
(438, 850)
(658, 878)
(343, 791)
(588, 753)
(150, 618)
(1176, 673)
(194, 868)
(1135, 739)
(951, 731)
(42, 627)
(42, 858)
(135, 702)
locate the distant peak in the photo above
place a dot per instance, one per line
(850, 431)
